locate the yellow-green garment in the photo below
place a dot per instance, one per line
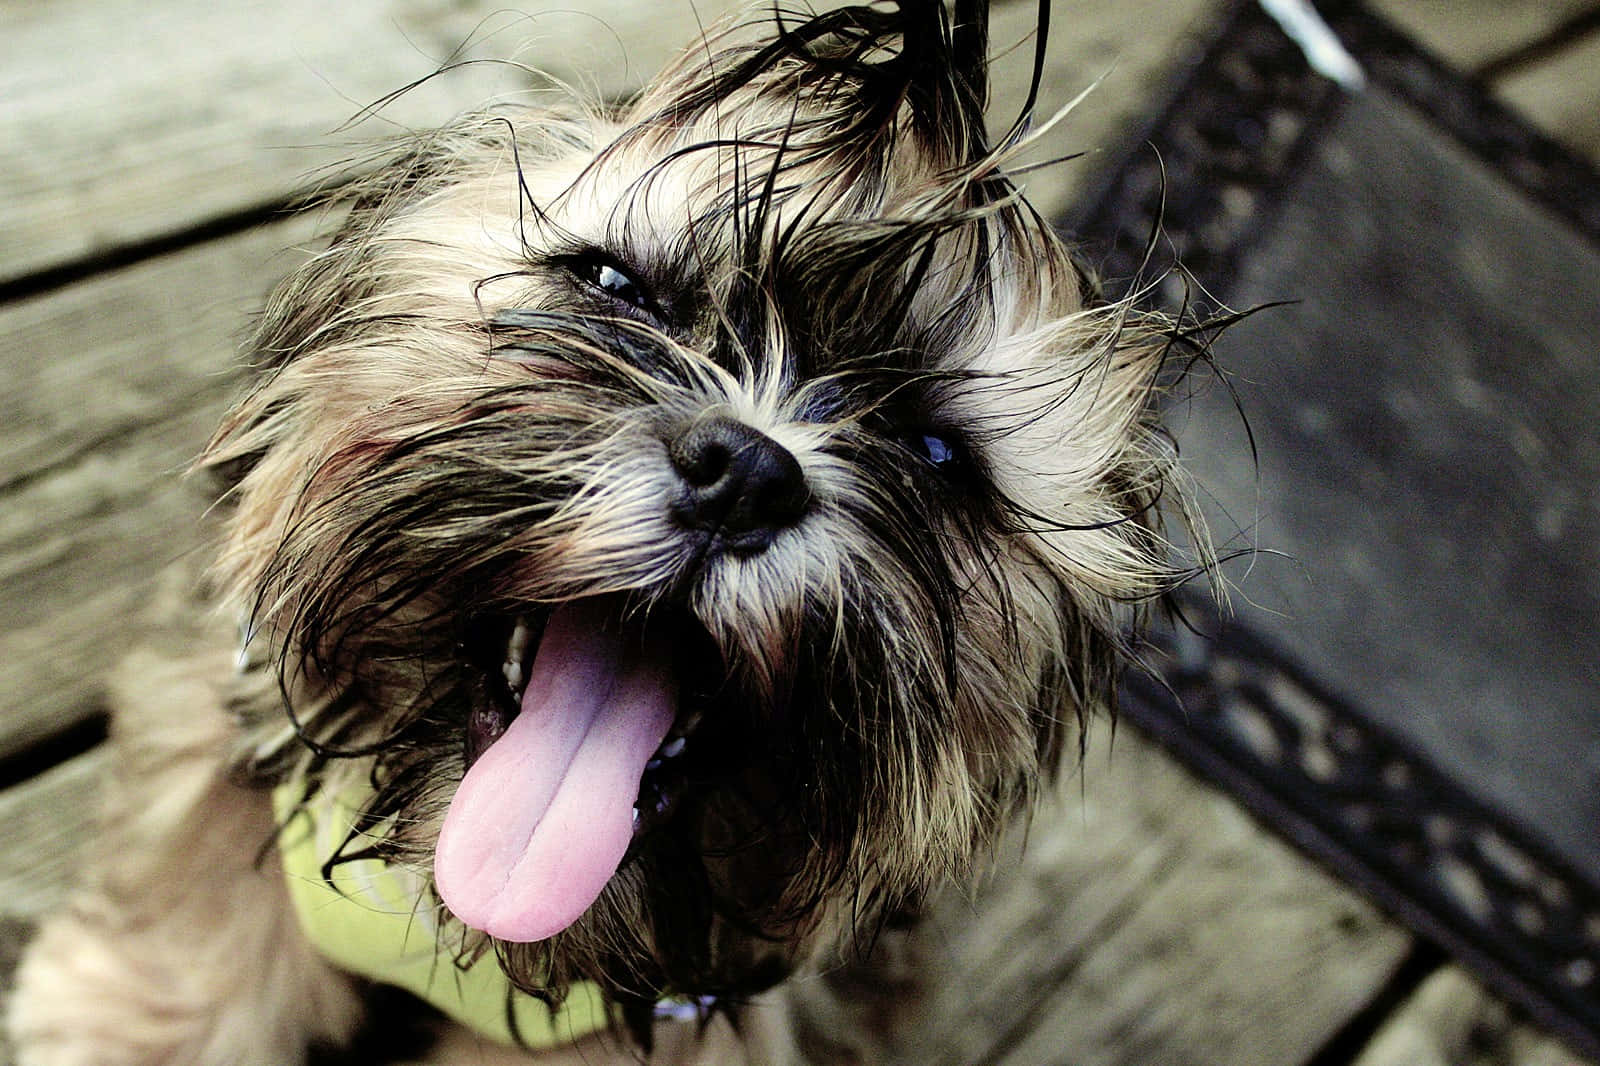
(379, 921)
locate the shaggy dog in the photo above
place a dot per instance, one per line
(671, 542)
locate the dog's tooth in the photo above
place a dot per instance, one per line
(517, 647)
(653, 764)
(672, 748)
(516, 652)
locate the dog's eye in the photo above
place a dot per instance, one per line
(614, 281)
(938, 449)
(619, 286)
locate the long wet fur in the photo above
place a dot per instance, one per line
(462, 419)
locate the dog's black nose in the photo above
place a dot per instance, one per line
(737, 483)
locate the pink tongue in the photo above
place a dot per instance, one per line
(543, 818)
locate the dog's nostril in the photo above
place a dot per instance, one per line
(699, 461)
(737, 482)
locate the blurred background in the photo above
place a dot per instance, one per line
(1357, 818)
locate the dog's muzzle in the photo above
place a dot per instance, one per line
(569, 762)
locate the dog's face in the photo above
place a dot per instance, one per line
(702, 522)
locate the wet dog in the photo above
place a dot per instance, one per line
(671, 542)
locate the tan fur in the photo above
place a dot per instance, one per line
(946, 646)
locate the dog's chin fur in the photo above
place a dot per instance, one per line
(475, 408)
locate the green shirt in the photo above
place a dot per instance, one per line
(380, 921)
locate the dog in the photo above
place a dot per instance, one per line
(671, 542)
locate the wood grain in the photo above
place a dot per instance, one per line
(1149, 921)
(124, 379)
(130, 349)
(1120, 55)
(1469, 33)
(191, 111)
(1559, 95)
(48, 821)
(126, 121)
(1451, 1019)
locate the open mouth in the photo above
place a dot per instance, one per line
(577, 745)
(502, 687)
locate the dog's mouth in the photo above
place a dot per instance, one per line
(575, 746)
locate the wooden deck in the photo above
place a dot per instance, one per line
(149, 151)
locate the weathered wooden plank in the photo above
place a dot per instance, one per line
(127, 120)
(111, 388)
(79, 550)
(1148, 921)
(49, 819)
(89, 364)
(48, 822)
(1469, 33)
(192, 111)
(1449, 1019)
(1561, 95)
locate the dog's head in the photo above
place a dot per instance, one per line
(703, 522)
